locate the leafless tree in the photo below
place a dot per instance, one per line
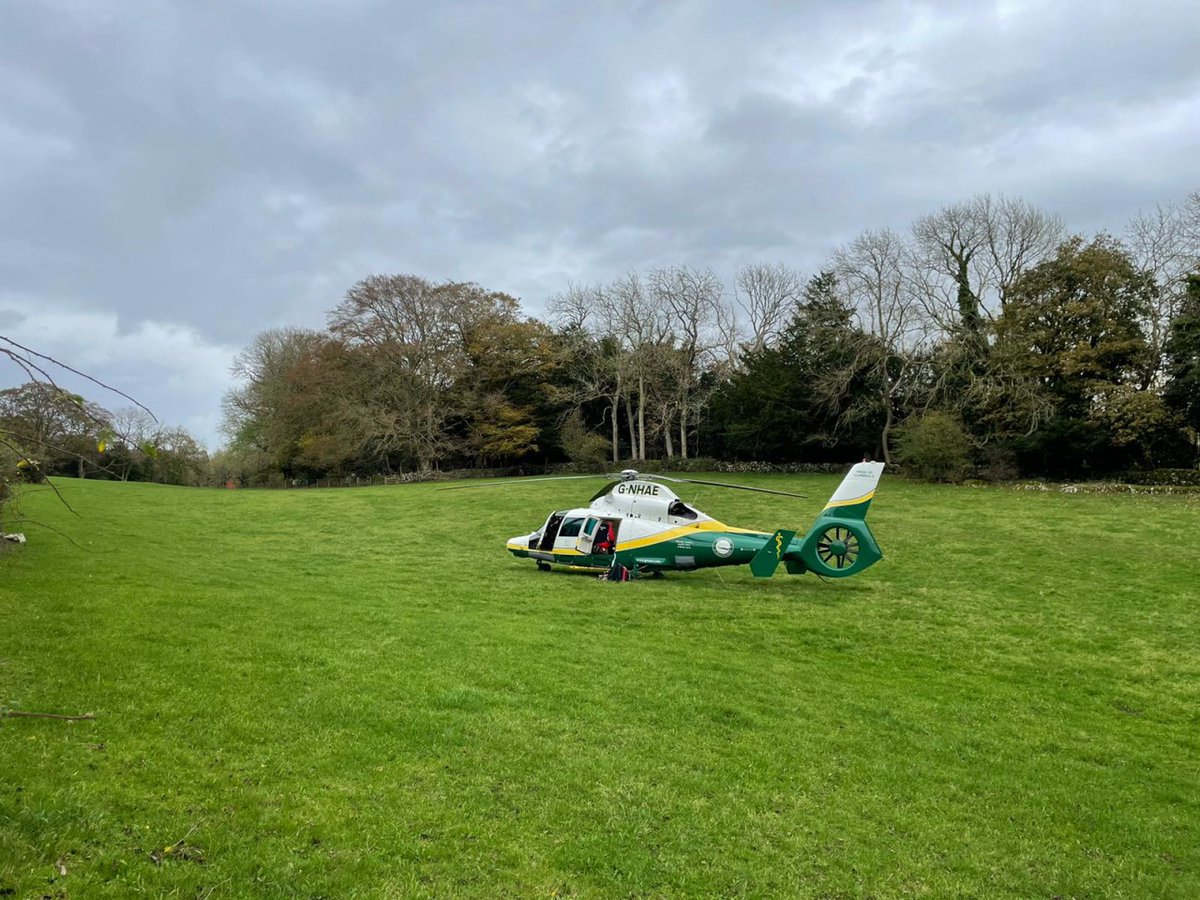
(875, 272)
(1165, 242)
(767, 294)
(631, 316)
(952, 266)
(691, 301)
(650, 339)
(970, 253)
(577, 308)
(136, 430)
(582, 315)
(1019, 236)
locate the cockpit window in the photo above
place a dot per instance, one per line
(570, 528)
(680, 509)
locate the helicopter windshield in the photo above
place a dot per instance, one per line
(681, 510)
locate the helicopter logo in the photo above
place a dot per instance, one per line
(637, 526)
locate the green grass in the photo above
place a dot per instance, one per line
(359, 693)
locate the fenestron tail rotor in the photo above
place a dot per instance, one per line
(838, 547)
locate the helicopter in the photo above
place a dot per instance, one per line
(636, 526)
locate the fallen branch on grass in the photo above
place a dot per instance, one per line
(17, 714)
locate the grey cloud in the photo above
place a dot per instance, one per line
(229, 166)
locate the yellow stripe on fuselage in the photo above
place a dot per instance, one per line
(672, 533)
(559, 551)
(863, 499)
(669, 534)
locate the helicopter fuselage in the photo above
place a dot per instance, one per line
(643, 526)
(651, 530)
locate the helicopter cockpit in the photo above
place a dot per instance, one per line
(582, 530)
(649, 501)
(561, 529)
(681, 510)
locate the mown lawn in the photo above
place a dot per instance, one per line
(358, 693)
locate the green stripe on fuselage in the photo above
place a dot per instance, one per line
(695, 550)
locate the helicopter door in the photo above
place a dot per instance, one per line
(587, 536)
(568, 533)
(599, 536)
(550, 532)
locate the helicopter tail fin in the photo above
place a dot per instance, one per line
(766, 560)
(853, 497)
(839, 543)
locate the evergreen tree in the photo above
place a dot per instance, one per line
(1182, 393)
(1072, 327)
(789, 401)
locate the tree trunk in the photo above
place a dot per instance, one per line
(667, 435)
(82, 474)
(641, 417)
(683, 445)
(616, 428)
(632, 428)
(887, 429)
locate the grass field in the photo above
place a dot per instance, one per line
(358, 693)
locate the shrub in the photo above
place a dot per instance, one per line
(934, 447)
(998, 463)
(584, 448)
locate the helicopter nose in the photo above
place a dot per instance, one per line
(520, 544)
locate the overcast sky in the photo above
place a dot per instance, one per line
(175, 177)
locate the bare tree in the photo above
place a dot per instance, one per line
(577, 308)
(1165, 242)
(649, 340)
(631, 316)
(263, 368)
(1019, 236)
(691, 301)
(950, 244)
(587, 321)
(970, 254)
(767, 294)
(136, 430)
(875, 272)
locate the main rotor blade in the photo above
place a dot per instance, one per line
(604, 490)
(517, 482)
(724, 484)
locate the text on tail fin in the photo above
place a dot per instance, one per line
(853, 496)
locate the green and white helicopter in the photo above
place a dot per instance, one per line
(637, 526)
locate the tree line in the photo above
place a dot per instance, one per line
(46, 430)
(985, 337)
